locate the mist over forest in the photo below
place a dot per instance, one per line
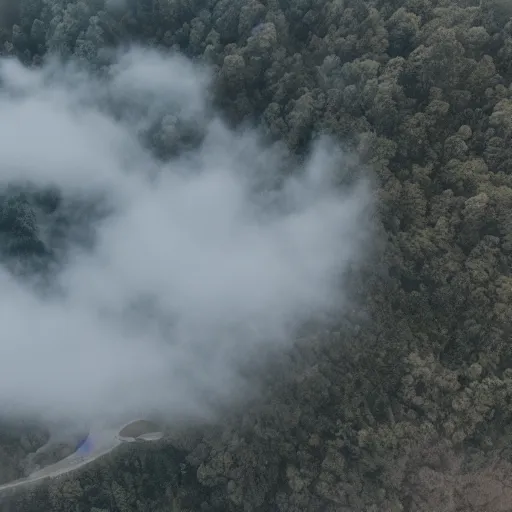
(284, 229)
(179, 269)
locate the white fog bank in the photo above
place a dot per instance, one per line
(198, 266)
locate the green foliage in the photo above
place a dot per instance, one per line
(405, 408)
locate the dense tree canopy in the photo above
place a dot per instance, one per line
(408, 407)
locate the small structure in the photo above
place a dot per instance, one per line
(140, 430)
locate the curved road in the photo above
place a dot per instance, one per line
(103, 442)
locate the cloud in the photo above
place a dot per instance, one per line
(196, 263)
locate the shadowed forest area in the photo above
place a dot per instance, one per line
(405, 406)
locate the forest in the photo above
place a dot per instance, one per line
(406, 404)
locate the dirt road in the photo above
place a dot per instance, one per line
(99, 442)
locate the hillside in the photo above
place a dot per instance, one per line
(404, 405)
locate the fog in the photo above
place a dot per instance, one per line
(192, 265)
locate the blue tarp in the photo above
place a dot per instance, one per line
(84, 446)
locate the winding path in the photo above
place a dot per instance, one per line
(103, 441)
